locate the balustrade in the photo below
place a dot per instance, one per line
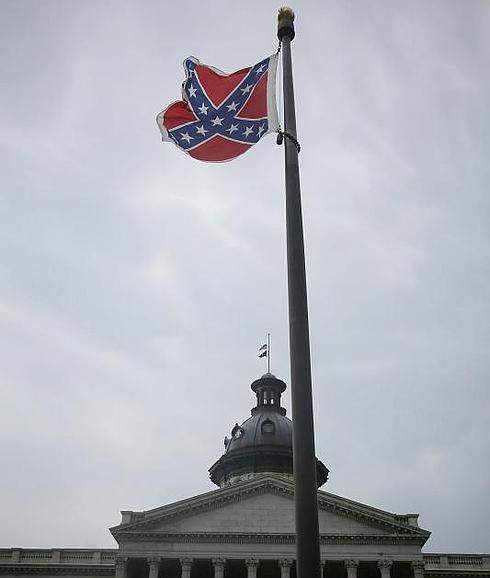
(251, 567)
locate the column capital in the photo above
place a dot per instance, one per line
(349, 563)
(252, 562)
(385, 563)
(121, 566)
(418, 568)
(154, 566)
(186, 561)
(218, 561)
(285, 566)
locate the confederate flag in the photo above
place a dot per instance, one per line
(222, 115)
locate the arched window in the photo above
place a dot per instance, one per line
(268, 427)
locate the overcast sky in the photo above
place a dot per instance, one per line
(136, 284)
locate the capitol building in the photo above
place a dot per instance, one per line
(245, 528)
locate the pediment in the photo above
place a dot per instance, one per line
(264, 505)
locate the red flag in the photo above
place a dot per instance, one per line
(222, 115)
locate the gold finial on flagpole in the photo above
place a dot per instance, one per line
(285, 12)
(285, 23)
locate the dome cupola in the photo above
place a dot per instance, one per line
(268, 390)
(263, 443)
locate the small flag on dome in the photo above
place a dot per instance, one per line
(263, 350)
(222, 115)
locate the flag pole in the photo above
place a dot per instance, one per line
(304, 460)
(268, 353)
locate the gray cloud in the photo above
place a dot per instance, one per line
(136, 283)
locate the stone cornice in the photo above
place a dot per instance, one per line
(251, 538)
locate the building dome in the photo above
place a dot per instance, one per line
(263, 443)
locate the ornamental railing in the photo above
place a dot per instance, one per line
(446, 560)
(57, 556)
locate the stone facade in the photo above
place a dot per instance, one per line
(247, 531)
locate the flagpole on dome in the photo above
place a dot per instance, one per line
(304, 459)
(268, 353)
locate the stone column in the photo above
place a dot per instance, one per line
(252, 564)
(385, 568)
(219, 567)
(154, 565)
(186, 565)
(285, 565)
(121, 567)
(418, 568)
(323, 563)
(351, 567)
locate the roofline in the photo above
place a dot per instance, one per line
(196, 502)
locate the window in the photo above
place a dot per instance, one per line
(268, 427)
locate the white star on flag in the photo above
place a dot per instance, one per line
(185, 136)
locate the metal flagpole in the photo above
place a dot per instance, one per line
(268, 353)
(304, 460)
